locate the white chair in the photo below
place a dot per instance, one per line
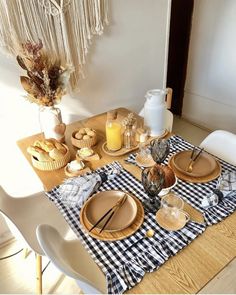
(169, 117)
(222, 144)
(23, 215)
(70, 257)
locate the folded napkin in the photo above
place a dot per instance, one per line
(226, 187)
(75, 191)
(227, 182)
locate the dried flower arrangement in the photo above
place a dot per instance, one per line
(130, 120)
(46, 78)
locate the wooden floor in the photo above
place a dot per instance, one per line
(17, 275)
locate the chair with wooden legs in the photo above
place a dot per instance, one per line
(24, 214)
(70, 257)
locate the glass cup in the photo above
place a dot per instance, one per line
(144, 157)
(172, 209)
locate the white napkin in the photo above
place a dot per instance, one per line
(227, 182)
(75, 191)
(226, 185)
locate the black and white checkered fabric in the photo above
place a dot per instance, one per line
(193, 193)
(125, 267)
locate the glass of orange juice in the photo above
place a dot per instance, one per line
(113, 132)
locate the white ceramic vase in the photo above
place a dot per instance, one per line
(51, 123)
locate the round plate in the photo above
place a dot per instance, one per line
(118, 153)
(101, 202)
(189, 178)
(204, 165)
(144, 162)
(115, 235)
(168, 225)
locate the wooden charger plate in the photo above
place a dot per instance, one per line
(101, 202)
(114, 235)
(215, 173)
(204, 165)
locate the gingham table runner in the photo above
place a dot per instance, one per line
(193, 193)
(125, 268)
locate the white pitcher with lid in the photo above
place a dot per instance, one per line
(154, 111)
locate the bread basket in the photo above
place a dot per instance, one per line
(52, 165)
(81, 143)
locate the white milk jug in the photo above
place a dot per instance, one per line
(154, 111)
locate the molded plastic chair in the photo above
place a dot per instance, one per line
(222, 144)
(24, 214)
(169, 117)
(70, 257)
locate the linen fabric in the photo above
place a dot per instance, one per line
(125, 266)
(193, 193)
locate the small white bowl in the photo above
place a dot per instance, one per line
(166, 190)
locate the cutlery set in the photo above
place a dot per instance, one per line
(109, 214)
(193, 159)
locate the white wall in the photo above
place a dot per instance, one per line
(125, 62)
(210, 88)
(122, 64)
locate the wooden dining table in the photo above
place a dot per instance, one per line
(191, 268)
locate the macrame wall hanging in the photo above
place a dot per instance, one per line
(65, 27)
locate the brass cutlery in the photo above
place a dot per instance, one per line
(110, 213)
(193, 159)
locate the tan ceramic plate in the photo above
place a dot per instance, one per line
(101, 202)
(203, 166)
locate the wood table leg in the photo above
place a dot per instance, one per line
(38, 274)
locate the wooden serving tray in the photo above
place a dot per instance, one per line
(124, 151)
(216, 173)
(118, 235)
(118, 153)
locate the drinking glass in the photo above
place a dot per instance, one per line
(153, 181)
(171, 216)
(171, 204)
(144, 157)
(160, 149)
